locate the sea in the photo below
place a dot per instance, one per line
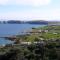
(14, 29)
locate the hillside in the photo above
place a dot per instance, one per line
(37, 22)
(23, 22)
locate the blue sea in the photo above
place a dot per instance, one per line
(14, 29)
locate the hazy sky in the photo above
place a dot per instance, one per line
(30, 9)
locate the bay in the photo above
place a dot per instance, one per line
(14, 29)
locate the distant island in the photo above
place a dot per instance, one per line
(24, 22)
(11, 22)
(38, 22)
(41, 22)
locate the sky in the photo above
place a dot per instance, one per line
(30, 10)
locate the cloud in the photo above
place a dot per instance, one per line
(25, 2)
(3, 2)
(51, 14)
(33, 2)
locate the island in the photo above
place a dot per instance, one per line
(43, 22)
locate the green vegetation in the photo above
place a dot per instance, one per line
(51, 36)
(48, 50)
(46, 33)
(32, 38)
